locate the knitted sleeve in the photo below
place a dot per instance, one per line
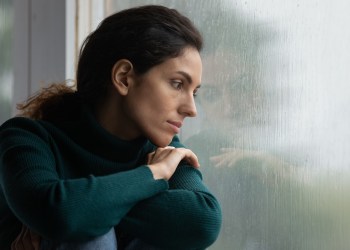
(187, 216)
(62, 209)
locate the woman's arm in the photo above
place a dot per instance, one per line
(62, 209)
(187, 216)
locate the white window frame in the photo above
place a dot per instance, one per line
(39, 49)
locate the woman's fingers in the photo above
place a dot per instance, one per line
(158, 154)
(182, 154)
(175, 155)
(228, 158)
(188, 156)
(164, 161)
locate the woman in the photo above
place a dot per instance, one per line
(105, 160)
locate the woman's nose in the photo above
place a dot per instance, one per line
(188, 107)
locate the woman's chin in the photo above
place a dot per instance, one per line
(161, 142)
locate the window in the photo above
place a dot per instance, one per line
(272, 133)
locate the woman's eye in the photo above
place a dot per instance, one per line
(195, 92)
(177, 84)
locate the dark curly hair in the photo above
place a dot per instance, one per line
(146, 36)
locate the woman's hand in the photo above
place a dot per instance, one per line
(164, 161)
(230, 156)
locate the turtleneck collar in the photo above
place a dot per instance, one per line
(88, 133)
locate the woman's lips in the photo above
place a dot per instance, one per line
(175, 126)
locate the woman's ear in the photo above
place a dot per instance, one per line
(122, 73)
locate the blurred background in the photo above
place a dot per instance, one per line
(272, 133)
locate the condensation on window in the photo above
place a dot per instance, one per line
(272, 132)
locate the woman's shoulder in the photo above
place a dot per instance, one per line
(19, 121)
(24, 125)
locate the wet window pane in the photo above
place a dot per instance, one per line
(6, 68)
(272, 133)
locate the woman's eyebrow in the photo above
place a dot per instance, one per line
(186, 75)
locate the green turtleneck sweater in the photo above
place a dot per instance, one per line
(74, 180)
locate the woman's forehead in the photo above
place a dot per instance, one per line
(187, 64)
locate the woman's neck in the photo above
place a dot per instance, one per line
(112, 118)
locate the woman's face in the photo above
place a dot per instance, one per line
(229, 96)
(159, 100)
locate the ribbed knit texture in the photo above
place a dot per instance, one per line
(74, 181)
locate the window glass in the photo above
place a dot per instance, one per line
(6, 68)
(272, 133)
